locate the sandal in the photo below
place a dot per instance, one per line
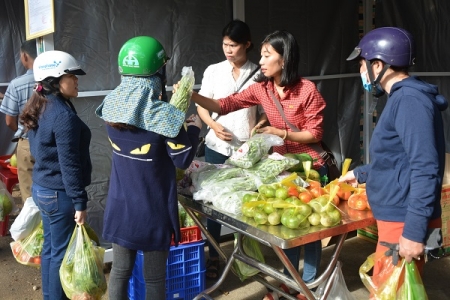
(212, 268)
(275, 296)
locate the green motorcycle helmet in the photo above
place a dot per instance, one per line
(141, 56)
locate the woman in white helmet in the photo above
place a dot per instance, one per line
(59, 141)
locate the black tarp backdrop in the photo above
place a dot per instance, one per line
(428, 22)
(327, 31)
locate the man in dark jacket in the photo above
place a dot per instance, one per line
(407, 150)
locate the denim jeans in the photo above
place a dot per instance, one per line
(213, 227)
(57, 213)
(154, 270)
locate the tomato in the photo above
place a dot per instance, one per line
(336, 200)
(326, 220)
(314, 219)
(292, 191)
(335, 215)
(24, 257)
(304, 209)
(247, 198)
(269, 192)
(314, 184)
(292, 222)
(343, 195)
(356, 214)
(268, 208)
(36, 260)
(274, 218)
(305, 197)
(260, 218)
(248, 211)
(358, 201)
(281, 193)
(317, 192)
(16, 248)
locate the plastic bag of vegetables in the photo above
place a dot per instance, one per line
(230, 202)
(253, 150)
(28, 251)
(81, 271)
(400, 281)
(228, 185)
(210, 177)
(252, 249)
(270, 167)
(7, 204)
(182, 97)
(27, 220)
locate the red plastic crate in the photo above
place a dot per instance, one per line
(189, 235)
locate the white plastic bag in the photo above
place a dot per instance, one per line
(27, 220)
(230, 202)
(209, 192)
(339, 290)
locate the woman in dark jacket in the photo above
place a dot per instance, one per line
(59, 142)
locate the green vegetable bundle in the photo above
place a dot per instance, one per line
(229, 185)
(81, 271)
(182, 97)
(268, 168)
(253, 150)
(217, 175)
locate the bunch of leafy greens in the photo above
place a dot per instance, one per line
(81, 271)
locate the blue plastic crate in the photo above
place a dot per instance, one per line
(185, 273)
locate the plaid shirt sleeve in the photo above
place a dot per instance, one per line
(311, 105)
(303, 106)
(247, 98)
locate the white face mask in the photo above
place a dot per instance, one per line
(366, 84)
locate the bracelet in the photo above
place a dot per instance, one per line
(285, 134)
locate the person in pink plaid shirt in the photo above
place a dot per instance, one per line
(303, 106)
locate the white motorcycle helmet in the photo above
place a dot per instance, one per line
(55, 64)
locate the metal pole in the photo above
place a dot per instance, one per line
(368, 98)
(239, 9)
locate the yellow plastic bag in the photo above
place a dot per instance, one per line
(401, 281)
(81, 271)
(28, 251)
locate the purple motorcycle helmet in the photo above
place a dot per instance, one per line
(392, 45)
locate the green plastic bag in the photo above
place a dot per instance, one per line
(252, 249)
(412, 287)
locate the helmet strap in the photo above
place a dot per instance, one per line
(162, 76)
(377, 89)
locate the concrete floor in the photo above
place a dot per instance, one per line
(354, 253)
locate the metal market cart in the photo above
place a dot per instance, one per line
(278, 238)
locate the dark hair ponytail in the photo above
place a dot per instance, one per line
(36, 104)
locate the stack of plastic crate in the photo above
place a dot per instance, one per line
(185, 269)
